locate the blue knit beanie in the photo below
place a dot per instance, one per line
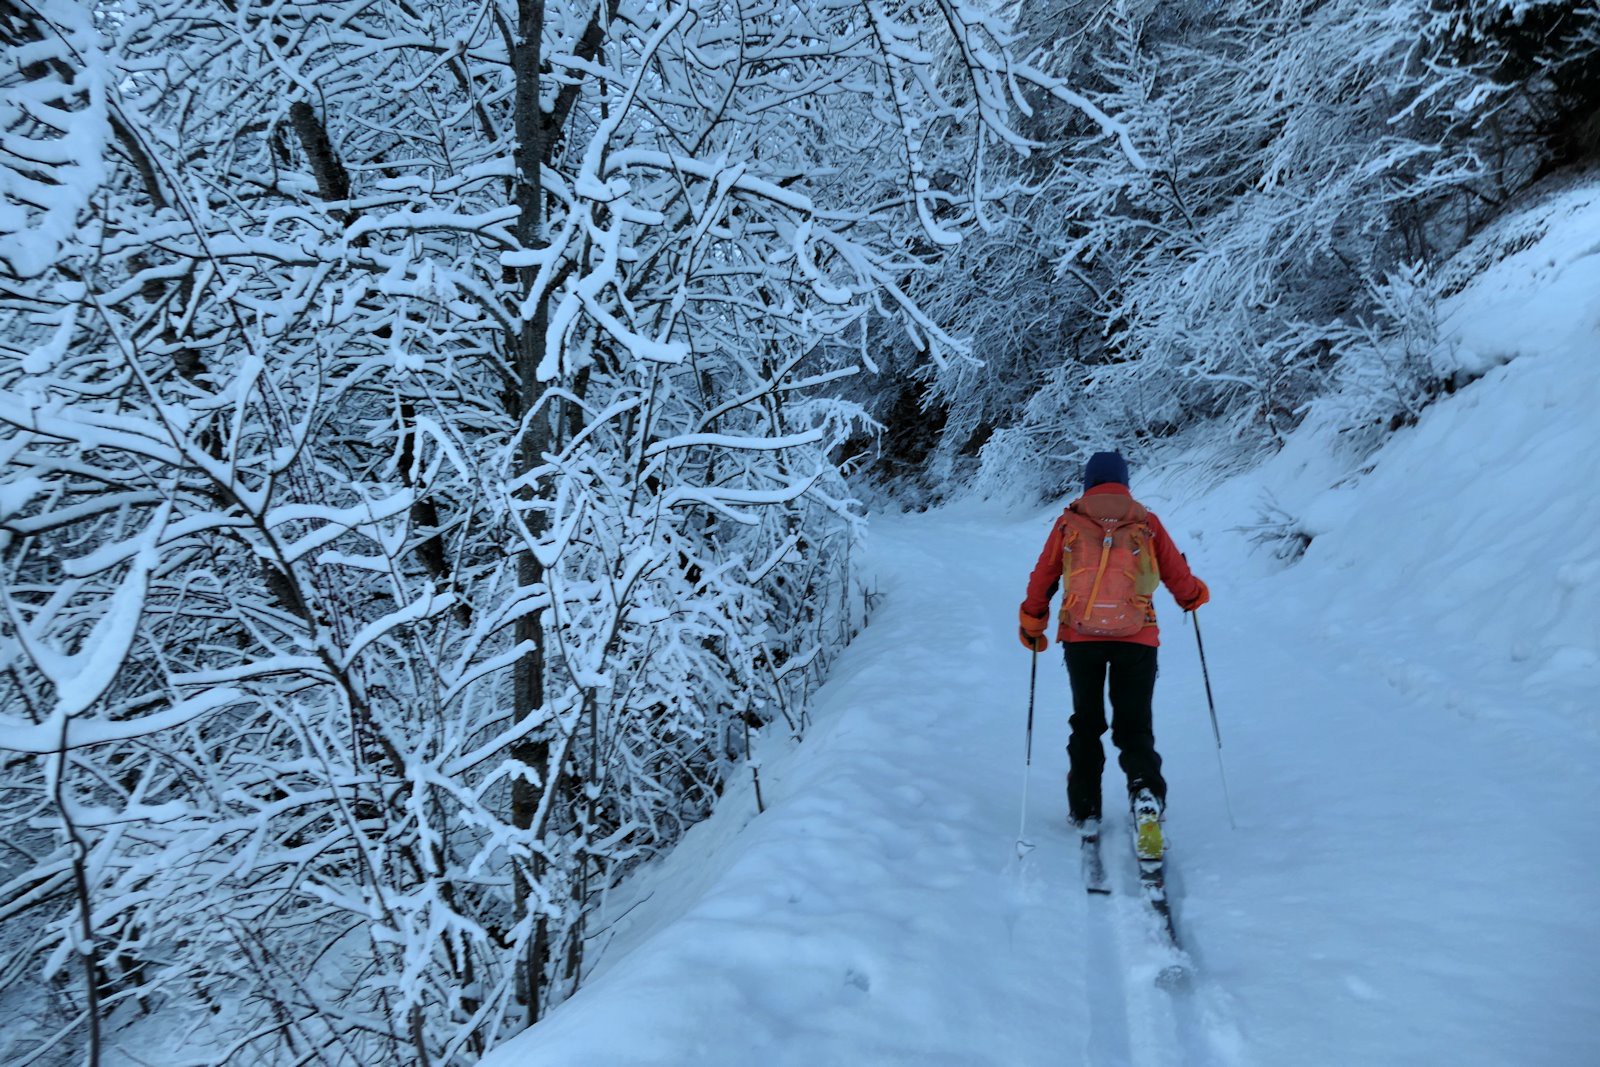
(1105, 467)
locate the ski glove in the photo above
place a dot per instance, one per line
(1202, 597)
(1032, 632)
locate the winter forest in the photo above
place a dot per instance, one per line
(440, 439)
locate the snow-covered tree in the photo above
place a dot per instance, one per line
(1302, 165)
(422, 472)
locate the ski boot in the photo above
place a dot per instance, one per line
(1084, 819)
(1147, 842)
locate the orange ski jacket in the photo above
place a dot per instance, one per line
(1174, 570)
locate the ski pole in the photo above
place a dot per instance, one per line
(1023, 844)
(1211, 703)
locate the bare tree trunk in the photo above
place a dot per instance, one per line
(88, 953)
(333, 181)
(528, 690)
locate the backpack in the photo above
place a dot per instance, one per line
(1108, 567)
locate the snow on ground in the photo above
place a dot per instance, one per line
(1410, 733)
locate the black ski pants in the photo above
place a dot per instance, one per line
(1131, 670)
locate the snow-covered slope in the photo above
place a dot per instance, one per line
(1411, 736)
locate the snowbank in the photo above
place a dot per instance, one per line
(1471, 541)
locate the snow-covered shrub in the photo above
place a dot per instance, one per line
(1277, 531)
(1390, 363)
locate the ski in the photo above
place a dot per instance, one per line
(1153, 882)
(1153, 886)
(1094, 867)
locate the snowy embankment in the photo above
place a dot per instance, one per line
(1411, 736)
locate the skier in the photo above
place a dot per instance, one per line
(1113, 553)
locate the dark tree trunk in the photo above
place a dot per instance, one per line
(528, 680)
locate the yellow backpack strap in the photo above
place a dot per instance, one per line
(1148, 576)
(1069, 539)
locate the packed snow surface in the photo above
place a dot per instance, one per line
(1410, 731)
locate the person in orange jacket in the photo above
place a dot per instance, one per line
(1127, 657)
